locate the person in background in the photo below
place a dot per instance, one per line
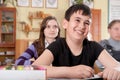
(74, 55)
(49, 32)
(112, 45)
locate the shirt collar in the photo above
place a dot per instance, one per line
(46, 43)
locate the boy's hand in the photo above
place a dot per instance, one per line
(110, 74)
(82, 71)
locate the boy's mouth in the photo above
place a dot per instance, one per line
(81, 32)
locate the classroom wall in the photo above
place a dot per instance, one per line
(103, 5)
(22, 15)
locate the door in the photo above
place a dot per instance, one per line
(95, 28)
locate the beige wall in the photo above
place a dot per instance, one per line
(22, 15)
(103, 5)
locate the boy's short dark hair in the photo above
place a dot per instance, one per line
(77, 7)
(113, 22)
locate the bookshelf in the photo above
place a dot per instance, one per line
(7, 34)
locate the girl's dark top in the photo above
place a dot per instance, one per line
(64, 57)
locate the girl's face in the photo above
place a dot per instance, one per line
(114, 31)
(51, 30)
(78, 26)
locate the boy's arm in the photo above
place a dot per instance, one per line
(112, 67)
(79, 71)
(107, 60)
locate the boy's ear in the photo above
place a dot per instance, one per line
(108, 30)
(65, 23)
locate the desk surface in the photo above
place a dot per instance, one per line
(96, 77)
(77, 79)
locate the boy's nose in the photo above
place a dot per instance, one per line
(81, 25)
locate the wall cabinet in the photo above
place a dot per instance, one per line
(95, 28)
(7, 34)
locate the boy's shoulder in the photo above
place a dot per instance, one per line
(104, 42)
(60, 39)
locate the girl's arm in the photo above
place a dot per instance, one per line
(24, 59)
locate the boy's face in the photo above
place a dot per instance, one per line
(114, 31)
(78, 26)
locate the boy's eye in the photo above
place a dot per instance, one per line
(116, 29)
(78, 20)
(87, 23)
